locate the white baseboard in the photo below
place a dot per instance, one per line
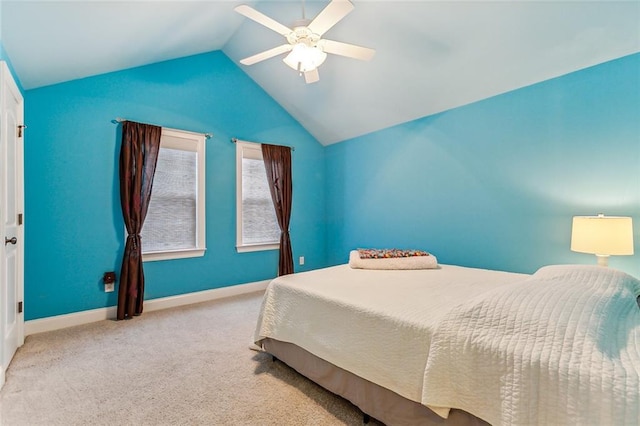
(77, 318)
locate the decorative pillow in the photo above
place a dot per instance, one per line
(427, 261)
(389, 253)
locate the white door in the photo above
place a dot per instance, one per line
(11, 218)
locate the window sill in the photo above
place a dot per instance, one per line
(257, 247)
(170, 255)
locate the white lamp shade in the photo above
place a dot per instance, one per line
(305, 58)
(602, 235)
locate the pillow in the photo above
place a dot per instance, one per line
(427, 261)
(595, 279)
(387, 253)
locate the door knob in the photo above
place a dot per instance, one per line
(12, 240)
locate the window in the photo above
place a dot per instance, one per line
(257, 225)
(175, 224)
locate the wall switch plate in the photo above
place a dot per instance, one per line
(301, 260)
(109, 287)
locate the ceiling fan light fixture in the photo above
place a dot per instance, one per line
(305, 58)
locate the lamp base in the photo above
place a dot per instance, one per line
(603, 259)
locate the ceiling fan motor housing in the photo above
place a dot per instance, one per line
(302, 34)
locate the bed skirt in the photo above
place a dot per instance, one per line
(374, 400)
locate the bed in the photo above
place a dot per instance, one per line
(457, 345)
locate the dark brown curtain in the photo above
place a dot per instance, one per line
(277, 162)
(138, 158)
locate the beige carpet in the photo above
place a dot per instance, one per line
(182, 366)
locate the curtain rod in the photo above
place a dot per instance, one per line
(120, 120)
(292, 148)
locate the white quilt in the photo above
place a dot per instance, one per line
(374, 323)
(561, 348)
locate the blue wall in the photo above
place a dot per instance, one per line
(495, 184)
(73, 222)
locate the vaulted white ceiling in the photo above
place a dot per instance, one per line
(430, 55)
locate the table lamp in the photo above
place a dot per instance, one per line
(603, 236)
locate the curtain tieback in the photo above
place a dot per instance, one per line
(134, 240)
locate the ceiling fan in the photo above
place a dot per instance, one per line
(307, 49)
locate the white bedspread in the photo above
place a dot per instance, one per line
(376, 324)
(561, 348)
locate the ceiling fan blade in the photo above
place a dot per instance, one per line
(311, 76)
(346, 49)
(266, 54)
(330, 15)
(263, 19)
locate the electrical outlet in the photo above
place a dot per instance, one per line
(301, 260)
(109, 280)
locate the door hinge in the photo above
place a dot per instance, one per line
(20, 128)
(19, 218)
(19, 307)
